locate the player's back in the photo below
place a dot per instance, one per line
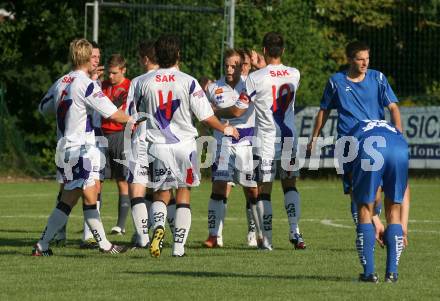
(170, 97)
(75, 109)
(55, 92)
(272, 90)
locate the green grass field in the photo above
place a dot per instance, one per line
(327, 270)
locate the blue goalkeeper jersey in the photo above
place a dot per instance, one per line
(354, 102)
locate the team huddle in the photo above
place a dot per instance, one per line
(142, 134)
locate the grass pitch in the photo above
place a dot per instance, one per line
(327, 270)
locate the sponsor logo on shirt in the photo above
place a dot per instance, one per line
(348, 88)
(199, 93)
(98, 94)
(218, 91)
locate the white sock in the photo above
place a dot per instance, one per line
(140, 220)
(158, 214)
(264, 207)
(216, 211)
(183, 224)
(93, 219)
(87, 234)
(255, 217)
(56, 221)
(250, 218)
(293, 210)
(171, 215)
(222, 218)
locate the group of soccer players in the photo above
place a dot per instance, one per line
(252, 115)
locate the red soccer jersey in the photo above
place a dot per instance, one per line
(118, 95)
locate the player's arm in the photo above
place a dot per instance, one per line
(395, 116)
(238, 109)
(320, 120)
(119, 116)
(224, 128)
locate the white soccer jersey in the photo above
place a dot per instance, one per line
(272, 90)
(75, 109)
(133, 93)
(170, 97)
(222, 95)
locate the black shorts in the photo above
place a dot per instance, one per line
(115, 150)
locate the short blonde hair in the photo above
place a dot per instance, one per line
(80, 52)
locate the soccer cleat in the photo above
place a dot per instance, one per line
(259, 243)
(89, 244)
(265, 247)
(211, 242)
(179, 255)
(370, 278)
(252, 239)
(116, 230)
(36, 251)
(298, 241)
(157, 242)
(391, 277)
(114, 249)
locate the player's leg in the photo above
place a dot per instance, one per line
(123, 207)
(292, 204)
(93, 219)
(139, 214)
(264, 209)
(61, 236)
(161, 199)
(88, 240)
(216, 212)
(183, 220)
(56, 221)
(365, 240)
(255, 235)
(171, 212)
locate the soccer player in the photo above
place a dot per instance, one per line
(232, 156)
(357, 93)
(272, 91)
(48, 106)
(137, 177)
(382, 160)
(116, 89)
(76, 150)
(169, 98)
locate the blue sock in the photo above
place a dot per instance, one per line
(354, 212)
(378, 209)
(365, 246)
(394, 241)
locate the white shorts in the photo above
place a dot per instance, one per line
(81, 169)
(137, 157)
(267, 169)
(234, 164)
(174, 165)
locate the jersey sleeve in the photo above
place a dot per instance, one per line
(47, 104)
(247, 95)
(131, 108)
(328, 100)
(198, 102)
(210, 93)
(95, 98)
(386, 92)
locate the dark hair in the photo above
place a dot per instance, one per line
(116, 60)
(245, 51)
(167, 49)
(354, 47)
(94, 44)
(274, 44)
(146, 49)
(234, 52)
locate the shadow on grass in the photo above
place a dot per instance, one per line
(196, 274)
(16, 242)
(18, 231)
